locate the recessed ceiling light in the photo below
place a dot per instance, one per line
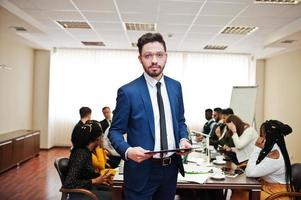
(74, 24)
(130, 26)
(86, 43)
(215, 47)
(291, 2)
(239, 30)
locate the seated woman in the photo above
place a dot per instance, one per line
(243, 136)
(81, 173)
(99, 159)
(270, 160)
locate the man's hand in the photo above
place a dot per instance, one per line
(185, 145)
(137, 154)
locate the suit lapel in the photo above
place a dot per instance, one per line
(147, 104)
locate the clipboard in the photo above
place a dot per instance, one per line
(178, 150)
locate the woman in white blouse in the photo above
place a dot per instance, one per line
(243, 136)
(270, 160)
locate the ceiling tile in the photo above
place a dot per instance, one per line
(175, 18)
(104, 26)
(95, 5)
(54, 5)
(101, 16)
(139, 17)
(226, 39)
(138, 6)
(265, 10)
(206, 29)
(24, 4)
(172, 28)
(222, 9)
(64, 15)
(261, 22)
(180, 7)
(213, 20)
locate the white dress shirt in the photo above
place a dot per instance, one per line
(152, 89)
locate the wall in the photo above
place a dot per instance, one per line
(16, 85)
(259, 110)
(283, 96)
(41, 96)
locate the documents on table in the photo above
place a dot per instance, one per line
(195, 173)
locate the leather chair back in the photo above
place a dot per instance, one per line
(61, 165)
(296, 176)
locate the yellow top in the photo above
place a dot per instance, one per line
(99, 160)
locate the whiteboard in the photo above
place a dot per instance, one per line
(243, 102)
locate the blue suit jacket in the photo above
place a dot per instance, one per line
(134, 115)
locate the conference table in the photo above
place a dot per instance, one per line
(240, 182)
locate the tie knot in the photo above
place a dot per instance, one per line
(158, 84)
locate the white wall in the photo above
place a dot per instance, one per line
(41, 96)
(259, 111)
(16, 86)
(283, 96)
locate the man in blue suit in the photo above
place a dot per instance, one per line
(150, 110)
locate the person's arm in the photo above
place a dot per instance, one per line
(181, 119)
(99, 159)
(242, 141)
(264, 168)
(75, 169)
(119, 123)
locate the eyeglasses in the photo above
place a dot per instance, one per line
(150, 56)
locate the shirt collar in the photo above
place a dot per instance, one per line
(151, 81)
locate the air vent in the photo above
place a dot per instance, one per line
(286, 2)
(134, 44)
(215, 47)
(239, 30)
(74, 24)
(140, 26)
(100, 44)
(18, 28)
(288, 41)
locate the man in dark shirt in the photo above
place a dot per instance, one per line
(85, 115)
(106, 122)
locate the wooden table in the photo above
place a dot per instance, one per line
(240, 182)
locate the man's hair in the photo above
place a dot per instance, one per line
(105, 108)
(208, 110)
(150, 37)
(84, 112)
(218, 110)
(227, 111)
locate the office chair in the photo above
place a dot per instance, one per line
(61, 165)
(296, 182)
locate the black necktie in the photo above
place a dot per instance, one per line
(163, 134)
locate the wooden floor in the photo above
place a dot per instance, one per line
(35, 179)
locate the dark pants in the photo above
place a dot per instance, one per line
(160, 186)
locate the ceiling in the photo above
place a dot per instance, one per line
(186, 25)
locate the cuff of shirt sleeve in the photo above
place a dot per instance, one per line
(126, 153)
(185, 140)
